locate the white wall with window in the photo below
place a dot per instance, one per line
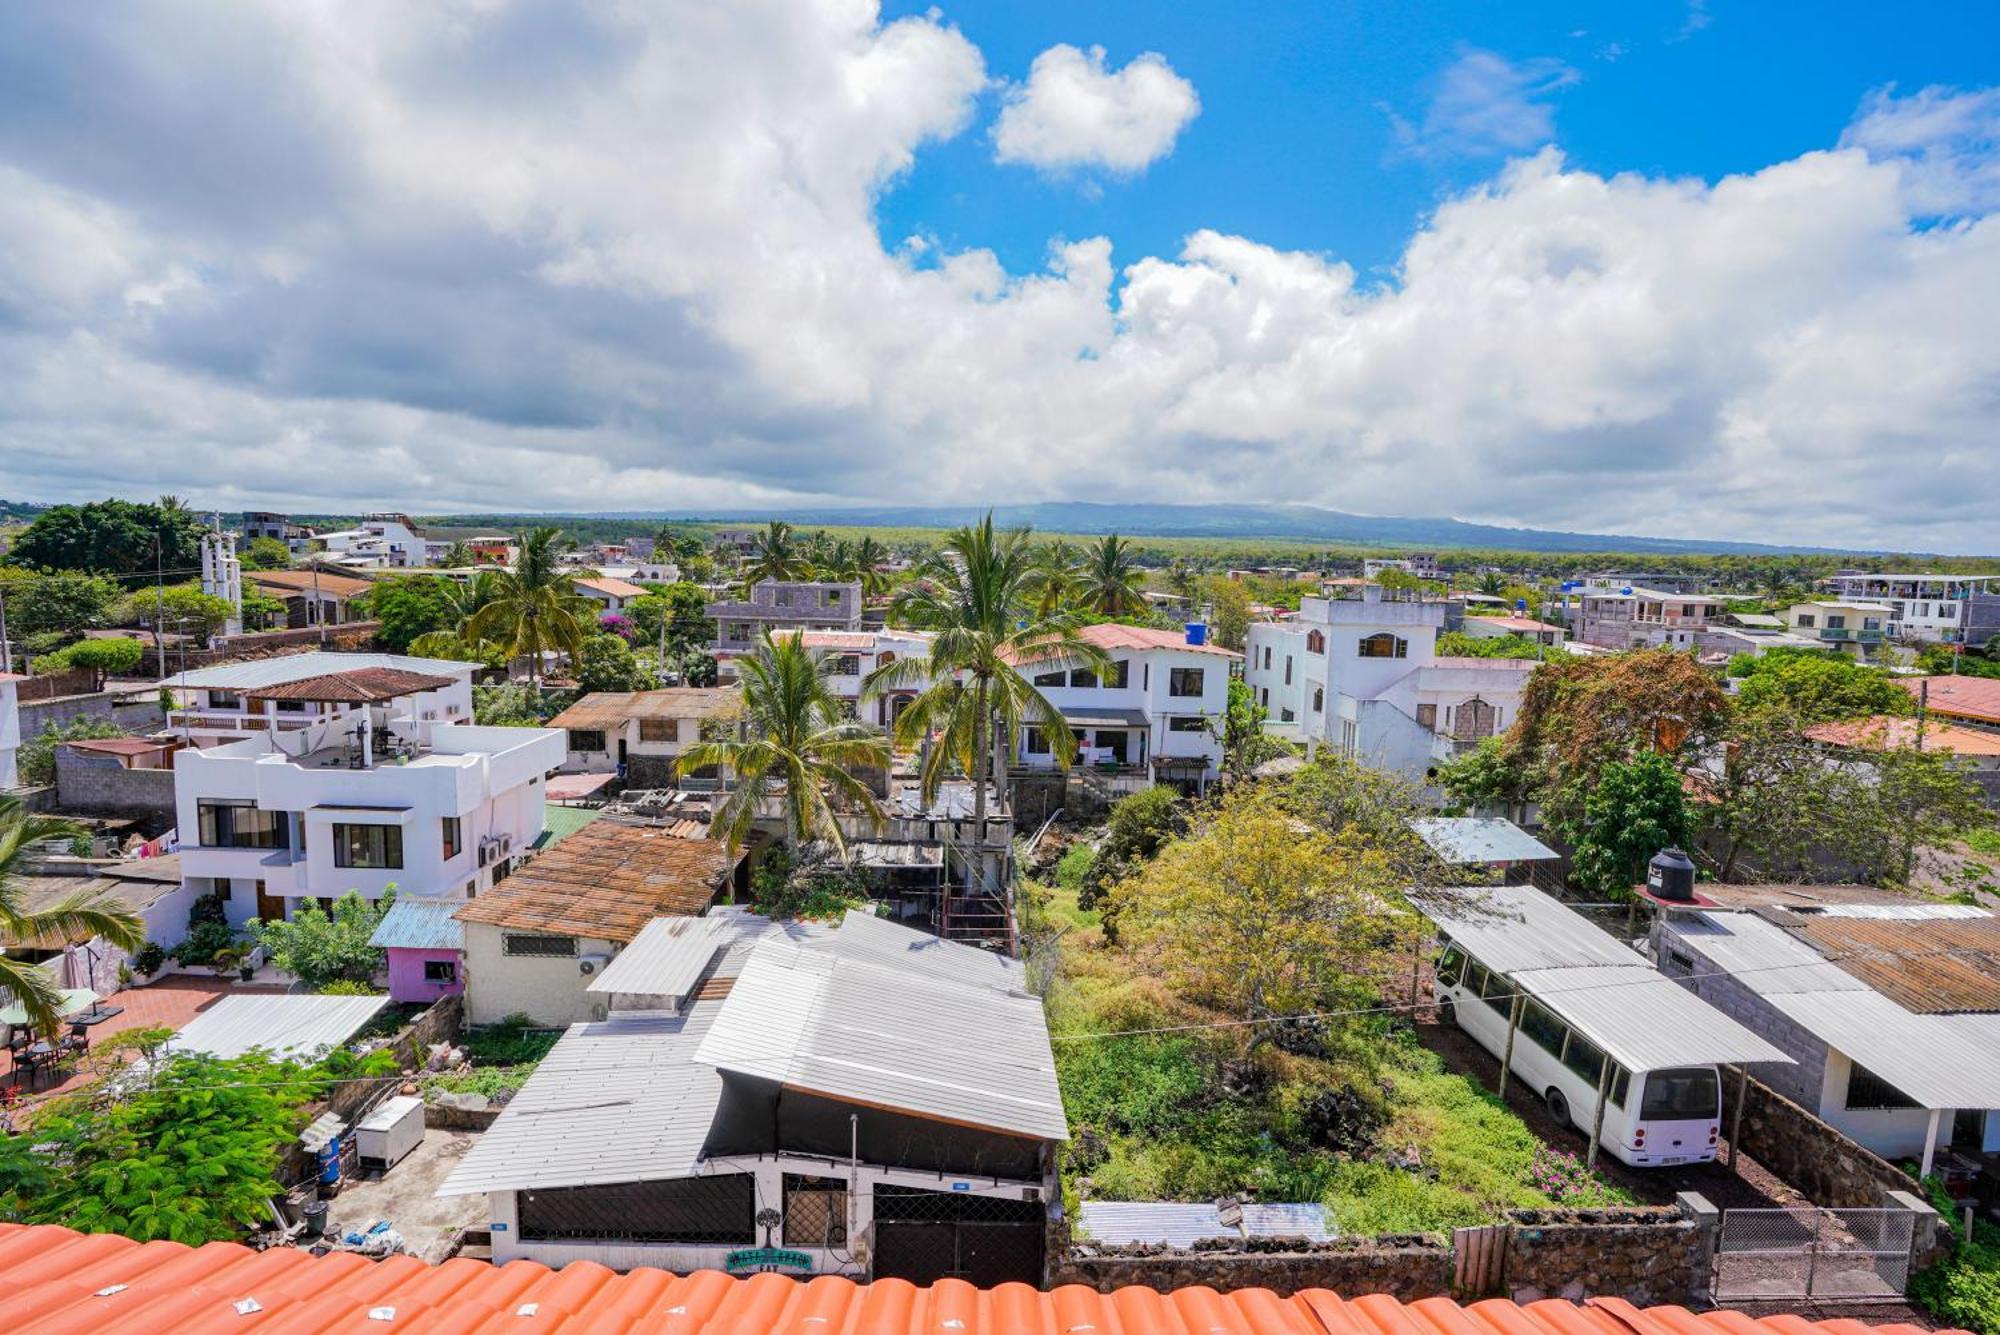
(1153, 709)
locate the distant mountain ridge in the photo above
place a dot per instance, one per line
(1300, 522)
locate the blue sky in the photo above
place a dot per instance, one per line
(1727, 270)
(1295, 144)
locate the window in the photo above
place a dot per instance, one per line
(1051, 678)
(1868, 1092)
(1383, 645)
(543, 947)
(1083, 678)
(224, 700)
(587, 739)
(368, 846)
(1621, 1085)
(1679, 961)
(1585, 1058)
(832, 597)
(239, 824)
(1287, 715)
(1540, 1024)
(739, 632)
(1288, 669)
(1036, 742)
(1120, 675)
(1681, 1094)
(847, 665)
(454, 837)
(1871, 623)
(1836, 621)
(1319, 699)
(440, 971)
(1449, 966)
(1187, 723)
(1497, 993)
(1184, 682)
(719, 1210)
(1427, 717)
(1806, 620)
(659, 730)
(1267, 658)
(1315, 642)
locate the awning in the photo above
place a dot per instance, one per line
(1088, 716)
(73, 999)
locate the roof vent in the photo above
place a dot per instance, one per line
(1670, 876)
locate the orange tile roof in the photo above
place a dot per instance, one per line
(58, 1282)
(1976, 698)
(1882, 732)
(1109, 635)
(606, 881)
(355, 686)
(614, 588)
(304, 581)
(1511, 622)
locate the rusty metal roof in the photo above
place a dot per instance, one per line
(359, 686)
(1932, 966)
(606, 881)
(609, 709)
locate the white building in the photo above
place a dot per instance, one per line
(215, 704)
(1424, 565)
(1924, 606)
(855, 654)
(1640, 618)
(1858, 627)
(1152, 714)
(380, 540)
(10, 729)
(611, 595)
(1363, 675)
(642, 732)
(819, 1101)
(363, 795)
(1483, 626)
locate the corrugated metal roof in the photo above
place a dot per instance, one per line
(1103, 716)
(865, 936)
(1936, 966)
(1513, 927)
(1462, 840)
(1643, 1019)
(619, 1100)
(1768, 959)
(666, 959)
(415, 922)
(560, 822)
(314, 663)
(56, 1279)
(1182, 1225)
(284, 1026)
(934, 1034)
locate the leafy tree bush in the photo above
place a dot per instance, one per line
(321, 948)
(261, 611)
(115, 658)
(59, 602)
(412, 605)
(1817, 688)
(1457, 644)
(348, 987)
(182, 609)
(112, 535)
(1139, 826)
(1636, 808)
(265, 554)
(608, 664)
(509, 705)
(810, 883)
(37, 757)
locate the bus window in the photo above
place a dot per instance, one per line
(1450, 964)
(1585, 1058)
(1621, 1082)
(1475, 977)
(1681, 1094)
(1498, 993)
(1537, 1023)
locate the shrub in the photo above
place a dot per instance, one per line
(347, 987)
(513, 1041)
(206, 940)
(320, 948)
(810, 884)
(149, 958)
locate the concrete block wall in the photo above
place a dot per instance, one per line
(110, 789)
(1800, 1083)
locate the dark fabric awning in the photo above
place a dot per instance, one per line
(1098, 717)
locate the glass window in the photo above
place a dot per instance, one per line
(440, 971)
(368, 846)
(1120, 675)
(1868, 1092)
(1319, 699)
(1681, 1093)
(1498, 993)
(1050, 678)
(1036, 743)
(239, 823)
(587, 739)
(1621, 1083)
(1384, 645)
(1835, 621)
(1084, 678)
(454, 837)
(547, 947)
(1540, 1024)
(1315, 643)
(1450, 965)
(1187, 723)
(1184, 682)
(847, 665)
(659, 730)
(1585, 1058)
(1288, 669)
(224, 700)
(1806, 620)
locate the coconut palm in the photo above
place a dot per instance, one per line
(869, 558)
(976, 593)
(535, 606)
(777, 555)
(76, 917)
(1112, 585)
(458, 555)
(1183, 578)
(1054, 577)
(794, 735)
(1492, 585)
(467, 598)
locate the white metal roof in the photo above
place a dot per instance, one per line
(285, 1026)
(666, 958)
(932, 1033)
(1644, 1019)
(1514, 927)
(1179, 1224)
(314, 663)
(1940, 1061)
(417, 922)
(619, 1100)
(1475, 839)
(863, 935)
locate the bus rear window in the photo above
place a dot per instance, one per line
(1681, 1094)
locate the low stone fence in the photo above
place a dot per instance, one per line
(1821, 1162)
(1412, 1267)
(451, 1117)
(1648, 1255)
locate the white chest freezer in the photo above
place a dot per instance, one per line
(391, 1131)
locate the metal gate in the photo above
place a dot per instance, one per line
(1809, 1252)
(925, 1236)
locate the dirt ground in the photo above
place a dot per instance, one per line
(404, 1196)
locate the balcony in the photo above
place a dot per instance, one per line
(1836, 633)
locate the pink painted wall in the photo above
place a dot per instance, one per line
(406, 975)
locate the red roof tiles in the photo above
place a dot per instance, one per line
(365, 685)
(1975, 698)
(56, 1282)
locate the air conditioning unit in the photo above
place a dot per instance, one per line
(590, 964)
(506, 845)
(485, 852)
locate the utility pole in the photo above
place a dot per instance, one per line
(6, 649)
(159, 604)
(1923, 710)
(318, 607)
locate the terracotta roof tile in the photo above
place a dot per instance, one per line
(614, 588)
(606, 881)
(1976, 698)
(1883, 731)
(608, 709)
(355, 686)
(302, 581)
(1110, 635)
(52, 1280)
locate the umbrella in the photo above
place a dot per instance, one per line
(73, 1000)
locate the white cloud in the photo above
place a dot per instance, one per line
(525, 255)
(1485, 105)
(1946, 140)
(1073, 112)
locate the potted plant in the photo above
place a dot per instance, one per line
(224, 960)
(148, 962)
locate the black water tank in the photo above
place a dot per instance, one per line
(1670, 875)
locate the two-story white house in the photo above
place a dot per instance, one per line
(366, 795)
(854, 654)
(1363, 675)
(1923, 606)
(231, 701)
(1153, 714)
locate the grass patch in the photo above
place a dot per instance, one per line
(1983, 840)
(488, 1080)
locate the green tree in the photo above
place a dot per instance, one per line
(535, 607)
(1229, 611)
(64, 602)
(869, 558)
(1139, 826)
(1457, 644)
(265, 554)
(36, 759)
(412, 606)
(1111, 583)
(608, 664)
(681, 609)
(73, 917)
(1492, 584)
(1816, 688)
(775, 554)
(509, 704)
(113, 536)
(321, 948)
(795, 743)
(1245, 744)
(181, 609)
(261, 611)
(106, 657)
(1490, 774)
(1774, 800)
(695, 666)
(1055, 577)
(458, 556)
(1635, 809)
(1906, 800)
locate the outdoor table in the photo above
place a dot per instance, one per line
(96, 1015)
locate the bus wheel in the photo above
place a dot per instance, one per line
(1558, 1106)
(1447, 1013)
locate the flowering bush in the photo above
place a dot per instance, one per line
(616, 623)
(1561, 1177)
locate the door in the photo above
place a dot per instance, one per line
(270, 907)
(925, 1236)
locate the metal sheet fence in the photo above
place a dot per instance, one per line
(1809, 1252)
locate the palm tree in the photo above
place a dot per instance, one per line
(74, 917)
(1491, 584)
(1112, 583)
(869, 558)
(457, 556)
(535, 606)
(977, 593)
(467, 598)
(1054, 577)
(1183, 578)
(795, 736)
(776, 555)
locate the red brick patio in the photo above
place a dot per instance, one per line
(170, 1002)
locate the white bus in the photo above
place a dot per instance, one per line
(1652, 1118)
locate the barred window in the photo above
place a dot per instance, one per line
(586, 739)
(1384, 645)
(720, 1210)
(548, 947)
(1868, 1092)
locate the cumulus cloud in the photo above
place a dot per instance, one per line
(1485, 105)
(1947, 141)
(1073, 112)
(513, 255)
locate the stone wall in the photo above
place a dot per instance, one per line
(1821, 1162)
(1648, 1255)
(1405, 1267)
(138, 713)
(93, 785)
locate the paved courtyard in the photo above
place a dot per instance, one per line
(403, 1196)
